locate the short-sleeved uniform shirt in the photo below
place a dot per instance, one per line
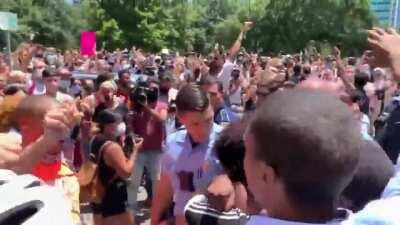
(191, 169)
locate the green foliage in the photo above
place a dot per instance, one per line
(279, 25)
(52, 22)
(290, 25)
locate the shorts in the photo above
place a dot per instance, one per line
(114, 202)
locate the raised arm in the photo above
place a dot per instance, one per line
(233, 51)
(57, 125)
(385, 47)
(341, 71)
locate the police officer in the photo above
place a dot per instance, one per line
(189, 163)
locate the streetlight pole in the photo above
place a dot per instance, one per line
(249, 9)
(396, 14)
(9, 49)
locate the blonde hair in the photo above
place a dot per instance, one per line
(109, 84)
(7, 111)
(270, 78)
(17, 76)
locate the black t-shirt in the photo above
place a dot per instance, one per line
(363, 102)
(249, 105)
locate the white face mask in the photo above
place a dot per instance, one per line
(120, 130)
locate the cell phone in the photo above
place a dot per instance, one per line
(129, 144)
(137, 138)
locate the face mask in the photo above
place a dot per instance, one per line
(120, 130)
(51, 59)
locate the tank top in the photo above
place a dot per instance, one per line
(97, 147)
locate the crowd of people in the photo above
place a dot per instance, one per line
(225, 138)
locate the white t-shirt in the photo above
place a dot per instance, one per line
(225, 75)
(235, 97)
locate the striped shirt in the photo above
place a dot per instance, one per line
(199, 212)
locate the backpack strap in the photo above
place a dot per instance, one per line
(101, 150)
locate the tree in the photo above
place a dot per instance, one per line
(182, 25)
(53, 23)
(289, 25)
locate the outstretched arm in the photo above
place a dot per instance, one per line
(341, 71)
(233, 51)
(385, 47)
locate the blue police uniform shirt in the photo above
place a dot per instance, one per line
(225, 115)
(384, 211)
(191, 169)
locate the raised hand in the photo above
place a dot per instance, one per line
(385, 47)
(59, 121)
(336, 52)
(247, 26)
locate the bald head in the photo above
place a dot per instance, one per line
(34, 106)
(315, 84)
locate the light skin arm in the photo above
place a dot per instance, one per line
(385, 49)
(162, 199)
(233, 51)
(341, 71)
(57, 125)
(24, 162)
